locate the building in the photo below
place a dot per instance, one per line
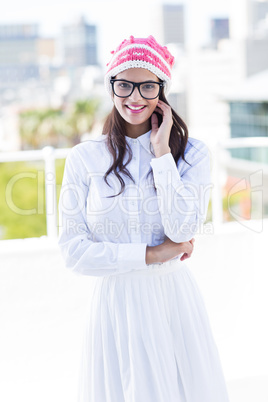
(174, 23)
(257, 40)
(219, 29)
(249, 115)
(18, 53)
(79, 44)
(173, 29)
(258, 13)
(46, 48)
(256, 51)
(210, 73)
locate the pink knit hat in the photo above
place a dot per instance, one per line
(140, 53)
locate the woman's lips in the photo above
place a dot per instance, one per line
(135, 108)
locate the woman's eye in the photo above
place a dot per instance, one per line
(124, 85)
(148, 87)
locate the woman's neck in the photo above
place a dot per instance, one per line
(134, 131)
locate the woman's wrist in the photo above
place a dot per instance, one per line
(161, 151)
(151, 255)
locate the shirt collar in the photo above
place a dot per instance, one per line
(144, 140)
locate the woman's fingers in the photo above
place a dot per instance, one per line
(154, 122)
(185, 256)
(189, 253)
(170, 249)
(158, 110)
(166, 109)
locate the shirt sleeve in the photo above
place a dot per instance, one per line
(183, 197)
(81, 254)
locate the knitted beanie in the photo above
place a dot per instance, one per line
(140, 53)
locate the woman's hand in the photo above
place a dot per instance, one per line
(160, 135)
(169, 250)
(188, 255)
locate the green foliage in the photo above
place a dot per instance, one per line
(22, 204)
(209, 212)
(60, 163)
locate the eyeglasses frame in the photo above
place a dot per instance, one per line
(136, 85)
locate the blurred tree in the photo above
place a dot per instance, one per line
(57, 127)
(82, 117)
(39, 128)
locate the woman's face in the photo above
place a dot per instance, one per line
(136, 110)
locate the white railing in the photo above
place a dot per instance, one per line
(50, 154)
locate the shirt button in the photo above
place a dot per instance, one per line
(160, 172)
(134, 157)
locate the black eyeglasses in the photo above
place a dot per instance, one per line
(147, 89)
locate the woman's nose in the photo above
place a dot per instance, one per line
(135, 95)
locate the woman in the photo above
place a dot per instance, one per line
(130, 204)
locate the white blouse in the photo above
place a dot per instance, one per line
(100, 235)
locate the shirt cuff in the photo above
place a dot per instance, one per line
(162, 167)
(131, 256)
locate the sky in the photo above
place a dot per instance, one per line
(116, 20)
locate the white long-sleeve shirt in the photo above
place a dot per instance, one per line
(99, 235)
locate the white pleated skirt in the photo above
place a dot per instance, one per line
(148, 339)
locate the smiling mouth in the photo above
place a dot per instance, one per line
(135, 107)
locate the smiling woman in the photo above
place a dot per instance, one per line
(131, 201)
(129, 98)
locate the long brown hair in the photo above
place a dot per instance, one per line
(114, 128)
